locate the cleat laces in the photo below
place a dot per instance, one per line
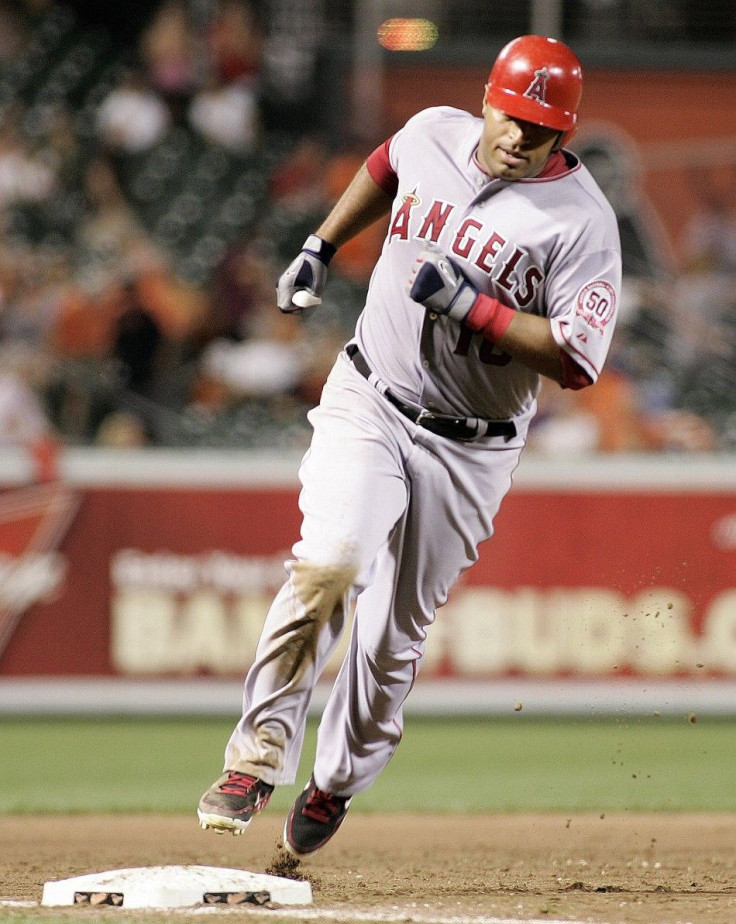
(323, 806)
(238, 784)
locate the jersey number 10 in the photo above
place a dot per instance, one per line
(488, 353)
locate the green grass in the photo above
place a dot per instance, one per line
(467, 765)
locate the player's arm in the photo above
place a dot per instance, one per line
(362, 203)
(528, 338)
(440, 286)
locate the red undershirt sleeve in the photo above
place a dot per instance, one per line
(573, 376)
(380, 169)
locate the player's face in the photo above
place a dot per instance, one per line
(512, 149)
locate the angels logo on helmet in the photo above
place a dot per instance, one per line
(537, 89)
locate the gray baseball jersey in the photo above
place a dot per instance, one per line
(548, 246)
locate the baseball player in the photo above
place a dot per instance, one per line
(501, 263)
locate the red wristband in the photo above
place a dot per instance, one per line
(489, 317)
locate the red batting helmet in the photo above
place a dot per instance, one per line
(539, 80)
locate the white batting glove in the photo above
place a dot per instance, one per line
(301, 284)
(440, 286)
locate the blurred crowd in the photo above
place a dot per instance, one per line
(149, 199)
(143, 224)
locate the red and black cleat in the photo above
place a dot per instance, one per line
(232, 801)
(314, 818)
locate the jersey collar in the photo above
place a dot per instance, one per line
(558, 163)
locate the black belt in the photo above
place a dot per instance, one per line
(464, 429)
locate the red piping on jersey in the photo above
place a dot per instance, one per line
(380, 169)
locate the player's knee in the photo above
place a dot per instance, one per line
(392, 655)
(391, 668)
(321, 588)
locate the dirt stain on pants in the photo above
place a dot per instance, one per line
(288, 652)
(320, 590)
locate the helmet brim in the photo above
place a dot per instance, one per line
(530, 110)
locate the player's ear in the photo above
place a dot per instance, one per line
(485, 100)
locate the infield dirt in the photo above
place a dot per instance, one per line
(622, 869)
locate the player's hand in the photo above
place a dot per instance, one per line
(440, 286)
(301, 284)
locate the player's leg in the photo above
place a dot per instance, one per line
(455, 496)
(451, 511)
(360, 734)
(353, 492)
